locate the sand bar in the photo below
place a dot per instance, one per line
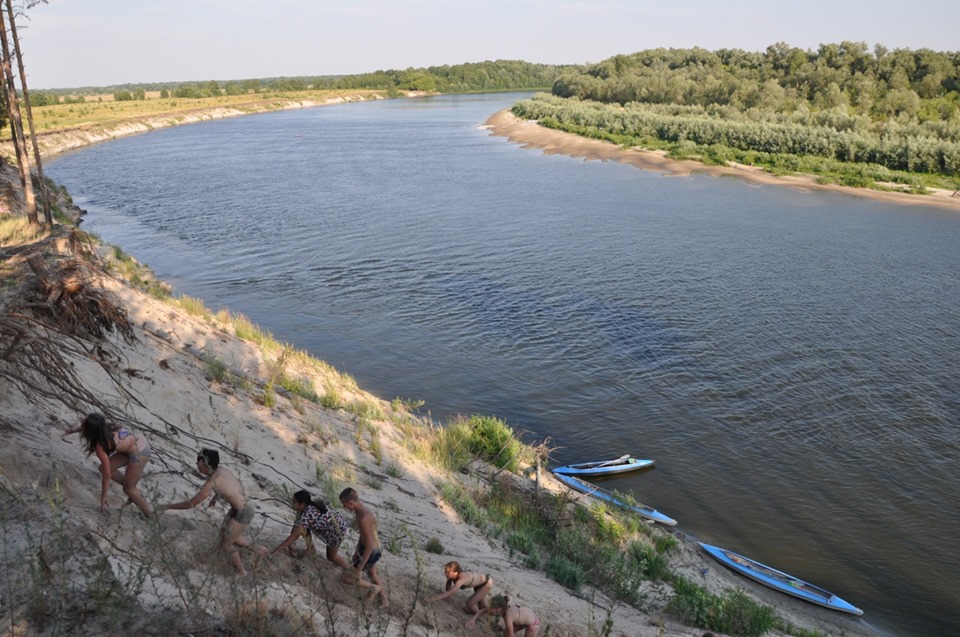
(529, 134)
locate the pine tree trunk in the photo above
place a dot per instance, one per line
(44, 192)
(16, 123)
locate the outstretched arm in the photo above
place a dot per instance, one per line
(295, 533)
(451, 589)
(473, 620)
(192, 502)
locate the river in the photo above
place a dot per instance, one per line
(790, 359)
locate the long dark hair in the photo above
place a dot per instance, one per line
(303, 497)
(95, 432)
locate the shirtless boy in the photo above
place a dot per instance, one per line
(224, 485)
(368, 552)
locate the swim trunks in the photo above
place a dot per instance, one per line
(243, 516)
(374, 557)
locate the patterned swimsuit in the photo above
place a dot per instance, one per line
(329, 526)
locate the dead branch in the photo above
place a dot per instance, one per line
(69, 299)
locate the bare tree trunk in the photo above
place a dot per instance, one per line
(16, 123)
(44, 193)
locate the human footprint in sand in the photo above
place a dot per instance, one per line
(458, 578)
(116, 447)
(224, 485)
(368, 552)
(515, 617)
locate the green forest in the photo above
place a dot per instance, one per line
(846, 113)
(849, 114)
(499, 75)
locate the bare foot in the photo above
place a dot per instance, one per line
(259, 552)
(372, 592)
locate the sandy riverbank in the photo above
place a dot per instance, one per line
(54, 538)
(161, 380)
(531, 135)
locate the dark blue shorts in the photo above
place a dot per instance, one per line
(374, 557)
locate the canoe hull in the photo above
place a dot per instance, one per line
(602, 494)
(778, 580)
(604, 467)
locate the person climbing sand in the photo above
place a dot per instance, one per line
(457, 578)
(117, 448)
(330, 526)
(515, 617)
(223, 484)
(368, 553)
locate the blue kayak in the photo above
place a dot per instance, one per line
(779, 581)
(604, 467)
(602, 494)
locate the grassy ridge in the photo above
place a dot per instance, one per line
(55, 117)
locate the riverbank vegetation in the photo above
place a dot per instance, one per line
(63, 109)
(486, 471)
(884, 119)
(501, 75)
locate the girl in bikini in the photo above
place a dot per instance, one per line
(515, 617)
(116, 448)
(458, 578)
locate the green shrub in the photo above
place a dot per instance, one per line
(468, 509)
(299, 387)
(649, 561)
(492, 440)
(521, 542)
(663, 542)
(331, 398)
(732, 613)
(216, 371)
(565, 572)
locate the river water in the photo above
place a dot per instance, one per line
(790, 359)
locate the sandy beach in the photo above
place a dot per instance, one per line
(169, 570)
(529, 134)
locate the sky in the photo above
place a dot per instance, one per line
(92, 43)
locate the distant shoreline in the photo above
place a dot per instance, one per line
(57, 142)
(529, 134)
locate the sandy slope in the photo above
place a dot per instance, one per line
(54, 538)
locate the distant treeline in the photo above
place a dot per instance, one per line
(500, 75)
(898, 109)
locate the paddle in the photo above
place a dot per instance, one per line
(625, 456)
